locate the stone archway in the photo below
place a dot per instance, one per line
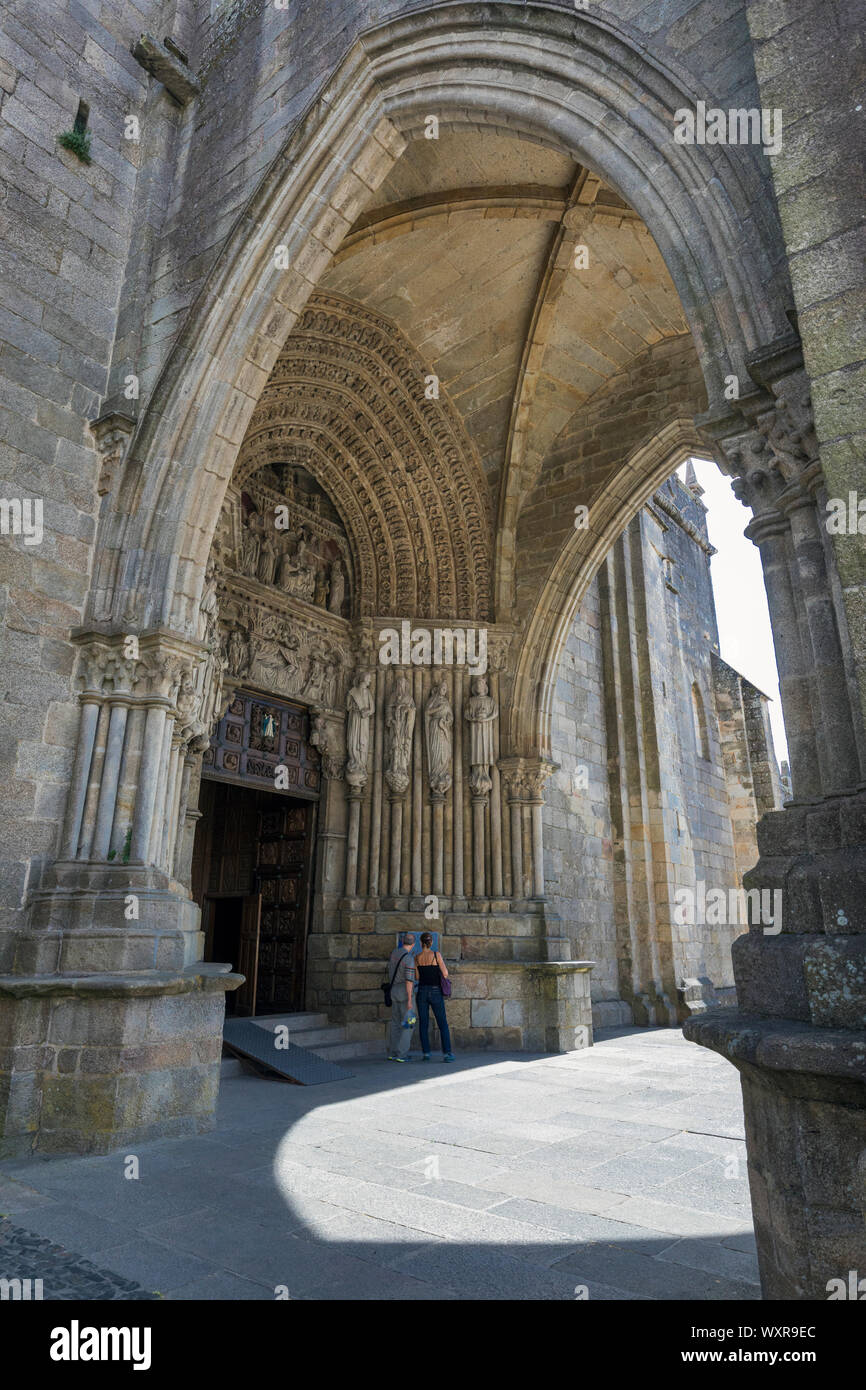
(597, 94)
(583, 76)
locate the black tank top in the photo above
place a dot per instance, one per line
(429, 974)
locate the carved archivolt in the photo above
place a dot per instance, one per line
(347, 399)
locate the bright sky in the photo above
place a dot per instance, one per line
(745, 636)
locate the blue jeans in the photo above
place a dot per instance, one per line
(430, 997)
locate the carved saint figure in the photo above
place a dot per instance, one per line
(315, 678)
(438, 727)
(480, 712)
(298, 572)
(399, 725)
(338, 588)
(268, 556)
(250, 545)
(360, 707)
(320, 591)
(238, 652)
(208, 608)
(332, 674)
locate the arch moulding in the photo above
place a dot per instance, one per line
(622, 497)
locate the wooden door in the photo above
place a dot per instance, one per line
(248, 959)
(283, 881)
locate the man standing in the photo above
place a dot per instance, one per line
(401, 973)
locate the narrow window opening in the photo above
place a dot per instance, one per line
(82, 114)
(700, 717)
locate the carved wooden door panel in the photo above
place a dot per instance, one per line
(283, 880)
(248, 957)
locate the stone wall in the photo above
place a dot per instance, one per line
(67, 229)
(506, 994)
(679, 740)
(578, 849)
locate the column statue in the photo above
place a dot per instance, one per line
(399, 725)
(438, 730)
(360, 707)
(480, 712)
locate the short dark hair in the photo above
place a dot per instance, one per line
(426, 938)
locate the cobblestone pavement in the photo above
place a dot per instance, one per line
(614, 1173)
(26, 1257)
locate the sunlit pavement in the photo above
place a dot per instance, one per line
(614, 1173)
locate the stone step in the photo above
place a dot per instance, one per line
(231, 1068)
(310, 1037)
(296, 1023)
(339, 1052)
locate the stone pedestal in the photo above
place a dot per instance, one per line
(93, 1063)
(799, 1044)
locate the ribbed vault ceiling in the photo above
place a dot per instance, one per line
(469, 247)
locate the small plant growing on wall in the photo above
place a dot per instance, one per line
(77, 139)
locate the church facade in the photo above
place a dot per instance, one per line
(349, 356)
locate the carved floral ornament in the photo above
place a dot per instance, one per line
(526, 778)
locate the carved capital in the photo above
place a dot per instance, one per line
(537, 772)
(513, 775)
(789, 428)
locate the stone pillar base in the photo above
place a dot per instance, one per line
(804, 1094)
(93, 1063)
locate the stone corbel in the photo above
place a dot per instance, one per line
(112, 433)
(168, 65)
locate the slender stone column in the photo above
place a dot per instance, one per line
(840, 762)
(537, 850)
(157, 830)
(396, 842)
(536, 776)
(110, 779)
(355, 794)
(771, 535)
(91, 801)
(90, 704)
(758, 483)
(376, 809)
(148, 780)
(478, 805)
(171, 803)
(183, 803)
(437, 802)
(514, 779)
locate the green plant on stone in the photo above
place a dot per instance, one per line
(78, 141)
(124, 858)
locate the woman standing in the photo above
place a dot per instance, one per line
(432, 971)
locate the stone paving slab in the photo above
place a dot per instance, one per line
(503, 1177)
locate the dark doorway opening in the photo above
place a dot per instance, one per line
(252, 870)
